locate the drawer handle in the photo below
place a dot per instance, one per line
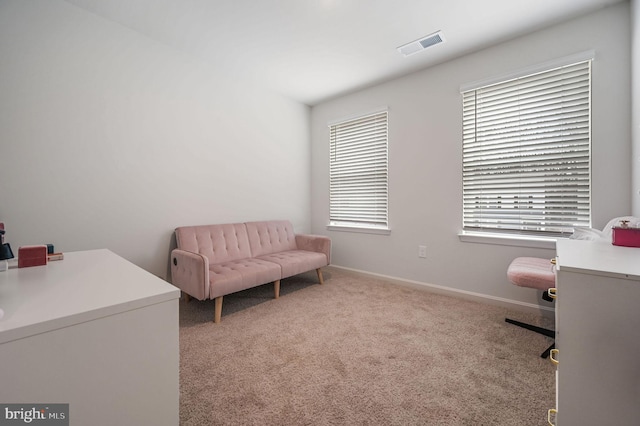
(552, 356)
(552, 412)
(552, 292)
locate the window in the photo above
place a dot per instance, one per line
(358, 172)
(526, 153)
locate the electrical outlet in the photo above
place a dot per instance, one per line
(422, 251)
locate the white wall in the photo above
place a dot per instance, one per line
(109, 139)
(425, 156)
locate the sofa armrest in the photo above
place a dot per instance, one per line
(317, 243)
(190, 273)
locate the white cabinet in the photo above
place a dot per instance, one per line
(96, 332)
(597, 334)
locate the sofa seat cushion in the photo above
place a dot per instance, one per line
(229, 277)
(295, 262)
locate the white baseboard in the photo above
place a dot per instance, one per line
(464, 294)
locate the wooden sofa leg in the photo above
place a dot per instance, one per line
(218, 309)
(276, 288)
(186, 297)
(319, 272)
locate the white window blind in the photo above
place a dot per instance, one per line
(358, 175)
(526, 153)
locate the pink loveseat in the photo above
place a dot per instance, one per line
(211, 261)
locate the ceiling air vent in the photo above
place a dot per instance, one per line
(421, 44)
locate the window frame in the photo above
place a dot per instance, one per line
(357, 204)
(511, 233)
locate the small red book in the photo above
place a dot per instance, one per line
(32, 256)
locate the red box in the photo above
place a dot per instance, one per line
(32, 256)
(627, 237)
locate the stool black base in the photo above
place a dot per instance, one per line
(539, 330)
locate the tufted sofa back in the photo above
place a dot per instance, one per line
(219, 243)
(270, 237)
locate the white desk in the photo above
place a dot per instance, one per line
(598, 334)
(95, 331)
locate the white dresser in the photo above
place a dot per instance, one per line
(96, 332)
(597, 334)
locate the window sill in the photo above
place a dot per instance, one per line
(508, 240)
(362, 230)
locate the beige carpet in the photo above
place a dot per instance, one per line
(359, 351)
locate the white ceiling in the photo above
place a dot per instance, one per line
(312, 50)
